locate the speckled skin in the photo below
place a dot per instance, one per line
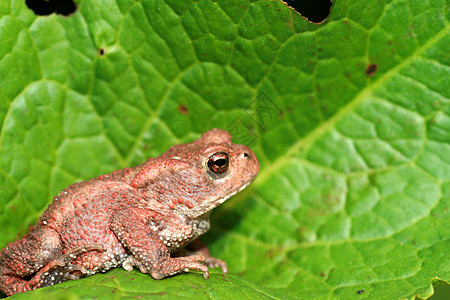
(133, 217)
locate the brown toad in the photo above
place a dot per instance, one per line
(133, 217)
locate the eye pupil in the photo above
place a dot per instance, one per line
(221, 162)
(218, 163)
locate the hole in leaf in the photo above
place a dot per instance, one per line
(371, 70)
(47, 7)
(101, 51)
(441, 290)
(314, 11)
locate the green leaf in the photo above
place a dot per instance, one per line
(350, 120)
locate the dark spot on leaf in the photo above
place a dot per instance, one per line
(360, 292)
(371, 70)
(47, 7)
(322, 274)
(314, 11)
(224, 277)
(269, 254)
(436, 103)
(101, 51)
(183, 109)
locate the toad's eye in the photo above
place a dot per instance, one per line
(218, 163)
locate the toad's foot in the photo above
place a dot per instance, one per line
(198, 248)
(62, 269)
(170, 266)
(213, 262)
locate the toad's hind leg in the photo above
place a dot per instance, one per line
(37, 261)
(62, 269)
(22, 258)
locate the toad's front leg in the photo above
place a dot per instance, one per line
(148, 251)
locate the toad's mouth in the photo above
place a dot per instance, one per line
(205, 207)
(219, 201)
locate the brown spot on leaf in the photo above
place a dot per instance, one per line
(224, 278)
(371, 70)
(183, 109)
(101, 51)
